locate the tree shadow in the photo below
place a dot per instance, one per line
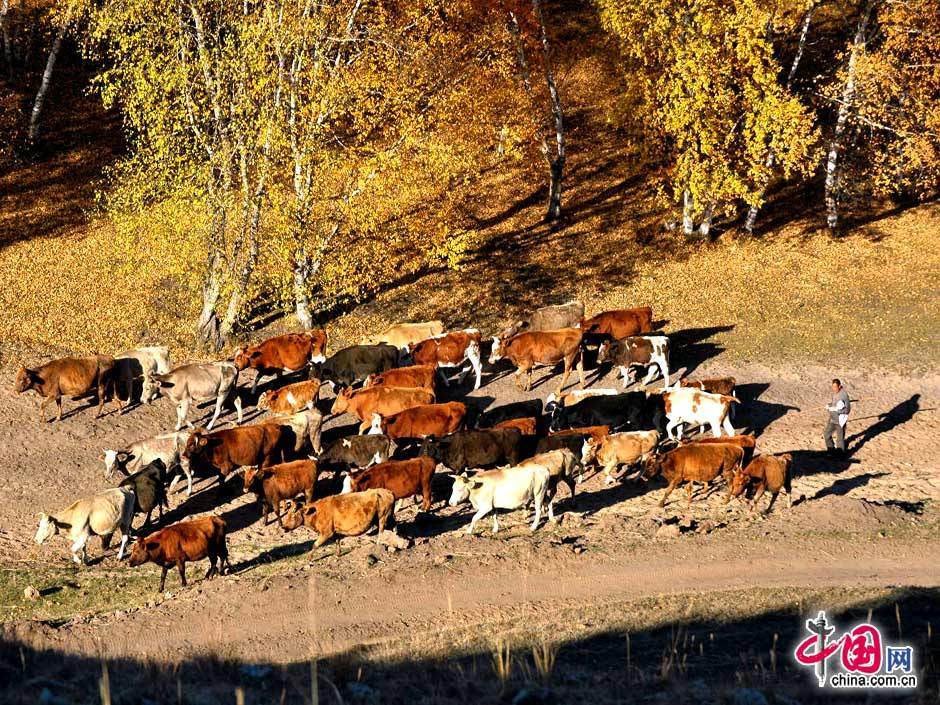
(891, 419)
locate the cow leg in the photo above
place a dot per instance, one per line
(773, 498)
(669, 489)
(254, 384)
(78, 548)
(218, 410)
(551, 509)
(726, 424)
(440, 371)
(182, 569)
(480, 513)
(565, 374)
(688, 492)
(663, 363)
(163, 577)
(670, 427)
(238, 407)
(608, 470)
(182, 411)
(58, 403)
(716, 429)
(473, 354)
(651, 372)
(538, 510)
(495, 523)
(580, 367)
(758, 493)
(212, 568)
(42, 408)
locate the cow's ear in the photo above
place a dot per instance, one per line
(310, 511)
(152, 545)
(476, 484)
(203, 441)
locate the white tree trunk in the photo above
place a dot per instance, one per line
(5, 36)
(301, 295)
(845, 107)
(705, 227)
(771, 156)
(557, 164)
(688, 224)
(46, 81)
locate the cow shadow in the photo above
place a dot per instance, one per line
(206, 499)
(272, 555)
(811, 462)
(891, 419)
(689, 349)
(846, 485)
(758, 414)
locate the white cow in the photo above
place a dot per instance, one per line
(140, 363)
(572, 397)
(504, 488)
(167, 447)
(687, 405)
(99, 515)
(198, 383)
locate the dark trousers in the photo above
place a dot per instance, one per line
(834, 427)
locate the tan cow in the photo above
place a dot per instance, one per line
(291, 398)
(402, 334)
(346, 514)
(68, 376)
(541, 348)
(385, 401)
(618, 449)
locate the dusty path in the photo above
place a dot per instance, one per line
(356, 599)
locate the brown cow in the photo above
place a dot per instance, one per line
(771, 472)
(283, 353)
(421, 421)
(403, 478)
(694, 463)
(619, 324)
(186, 541)
(385, 401)
(345, 514)
(224, 451)
(744, 441)
(69, 376)
(618, 449)
(541, 348)
(450, 350)
(276, 483)
(527, 426)
(413, 376)
(291, 398)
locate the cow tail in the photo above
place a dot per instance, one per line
(730, 399)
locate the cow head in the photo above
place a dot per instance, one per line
(376, 427)
(25, 380)
(431, 448)
(739, 482)
(116, 460)
(197, 443)
(652, 466)
(604, 352)
(250, 474)
(264, 401)
(243, 358)
(496, 351)
(48, 527)
(461, 489)
(341, 402)
(589, 450)
(297, 514)
(142, 550)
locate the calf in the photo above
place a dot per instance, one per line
(702, 463)
(403, 478)
(645, 351)
(346, 514)
(772, 472)
(198, 383)
(618, 449)
(413, 376)
(421, 421)
(475, 449)
(403, 334)
(284, 353)
(167, 448)
(223, 451)
(685, 405)
(505, 488)
(137, 365)
(745, 442)
(567, 315)
(385, 401)
(359, 451)
(357, 362)
(450, 350)
(149, 488)
(276, 483)
(291, 398)
(618, 324)
(186, 541)
(531, 408)
(541, 348)
(527, 427)
(68, 376)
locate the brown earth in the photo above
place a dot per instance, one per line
(870, 520)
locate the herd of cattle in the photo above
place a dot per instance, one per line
(504, 458)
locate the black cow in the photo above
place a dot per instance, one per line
(149, 486)
(357, 362)
(631, 411)
(516, 410)
(475, 449)
(358, 451)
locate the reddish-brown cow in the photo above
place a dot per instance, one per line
(403, 478)
(527, 426)
(450, 350)
(772, 472)
(619, 324)
(694, 463)
(276, 483)
(68, 376)
(541, 348)
(413, 376)
(224, 451)
(421, 421)
(283, 353)
(187, 541)
(385, 401)
(713, 385)
(744, 441)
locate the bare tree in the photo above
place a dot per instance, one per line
(845, 108)
(771, 155)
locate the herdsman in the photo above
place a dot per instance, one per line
(839, 409)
